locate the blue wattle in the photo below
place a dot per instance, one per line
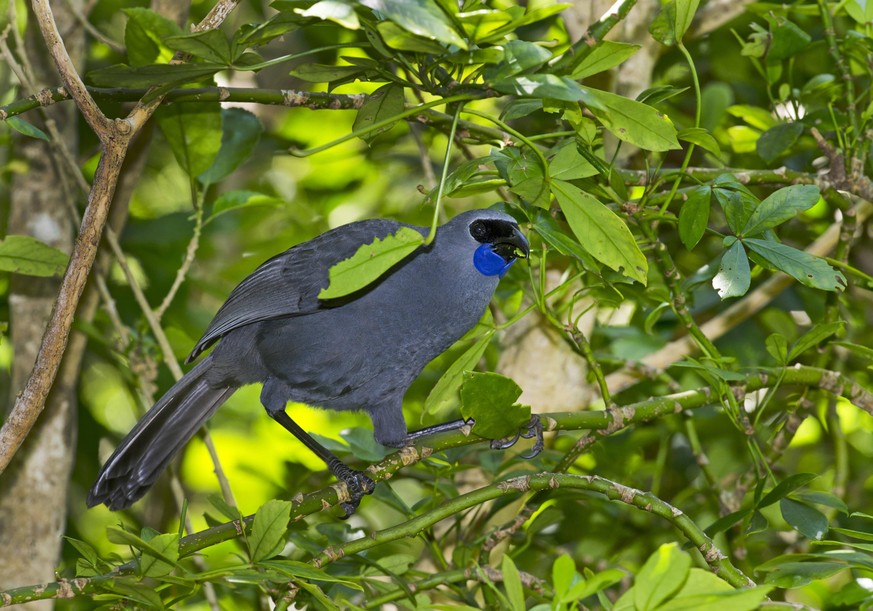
(489, 263)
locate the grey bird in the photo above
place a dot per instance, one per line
(360, 352)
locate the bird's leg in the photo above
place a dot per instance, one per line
(532, 429)
(357, 482)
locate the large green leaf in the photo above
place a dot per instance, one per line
(23, 254)
(694, 216)
(268, 529)
(780, 206)
(661, 576)
(386, 102)
(547, 86)
(25, 128)
(605, 55)
(518, 56)
(194, 133)
(165, 560)
(444, 396)
(421, 17)
(144, 34)
(778, 140)
(167, 75)
(807, 269)
(601, 232)
(210, 45)
(240, 133)
(683, 16)
(634, 122)
(490, 399)
(370, 262)
(808, 521)
(734, 274)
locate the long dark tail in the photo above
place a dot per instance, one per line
(150, 446)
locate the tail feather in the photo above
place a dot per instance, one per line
(150, 446)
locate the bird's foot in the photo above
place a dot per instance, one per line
(533, 429)
(357, 483)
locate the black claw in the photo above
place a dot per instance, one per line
(357, 483)
(533, 429)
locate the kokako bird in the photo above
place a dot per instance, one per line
(359, 352)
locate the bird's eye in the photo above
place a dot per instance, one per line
(479, 231)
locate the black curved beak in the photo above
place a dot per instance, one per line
(513, 246)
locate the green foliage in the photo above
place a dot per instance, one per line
(25, 255)
(738, 170)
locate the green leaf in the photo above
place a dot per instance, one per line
(400, 39)
(444, 395)
(268, 530)
(563, 574)
(228, 511)
(785, 487)
(370, 262)
(816, 334)
(778, 140)
(234, 200)
(780, 206)
(734, 275)
(169, 75)
(785, 39)
(694, 216)
(807, 269)
(525, 174)
(303, 570)
(661, 576)
(683, 16)
(798, 574)
(518, 56)
(863, 351)
(194, 133)
(512, 584)
(144, 34)
(777, 346)
(546, 86)
(605, 55)
(551, 232)
(568, 164)
(386, 102)
(489, 398)
(704, 591)
(601, 232)
(240, 133)
(726, 522)
(860, 10)
(210, 45)
(593, 584)
(421, 17)
(820, 497)
(342, 13)
(633, 122)
(164, 560)
(738, 206)
(810, 522)
(701, 138)
(157, 554)
(23, 254)
(27, 129)
(325, 73)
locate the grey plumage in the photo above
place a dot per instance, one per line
(361, 352)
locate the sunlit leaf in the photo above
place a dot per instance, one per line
(370, 262)
(23, 254)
